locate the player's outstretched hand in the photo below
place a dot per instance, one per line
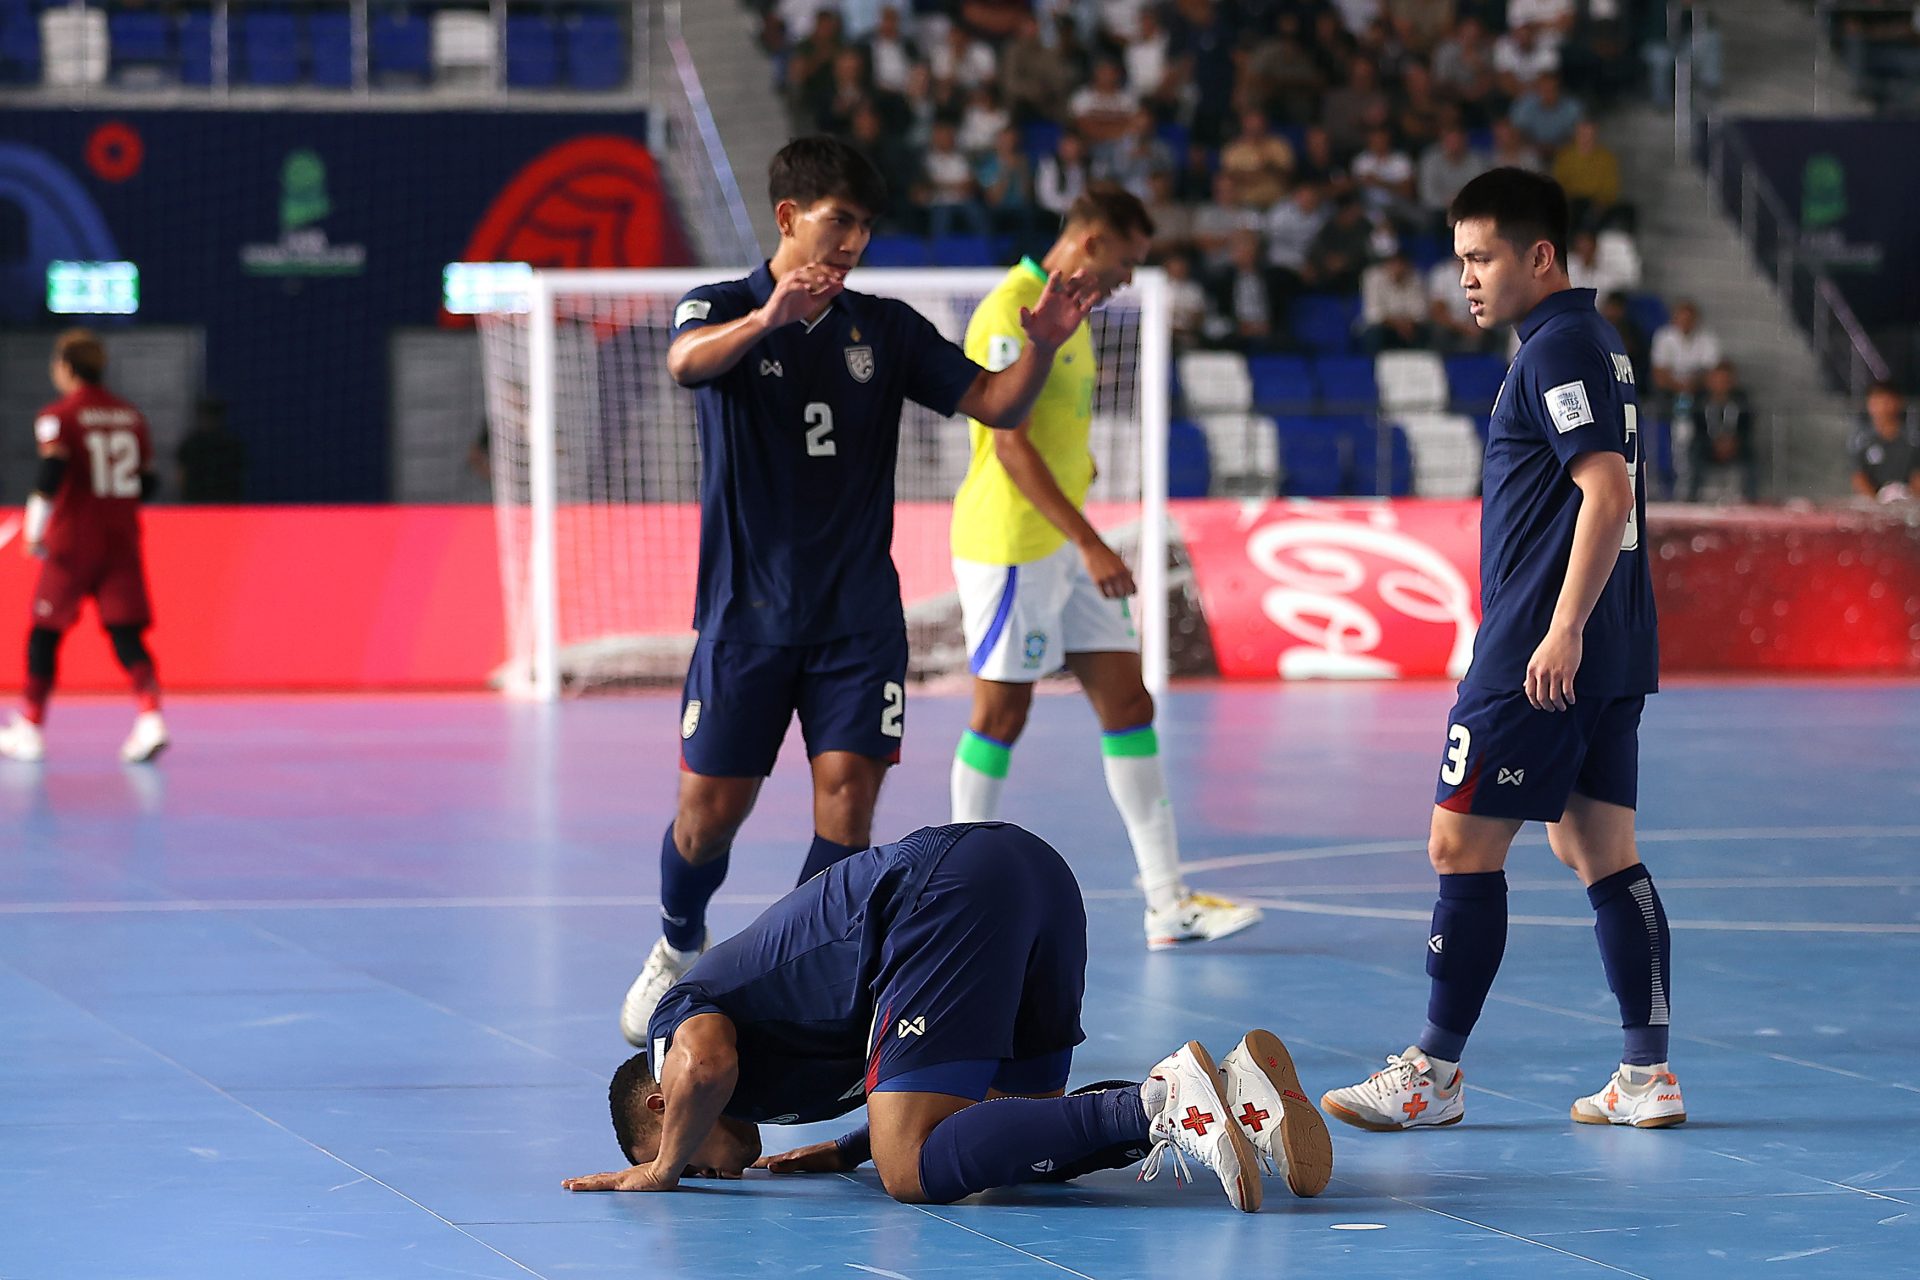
(1062, 305)
(640, 1177)
(802, 291)
(1551, 670)
(820, 1157)
(1108, 571)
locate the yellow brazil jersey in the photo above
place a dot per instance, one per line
(993, 523)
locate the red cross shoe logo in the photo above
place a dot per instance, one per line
(1414, 1106)
(1613, 1097)
(1198, 1120)
(1252, 1118)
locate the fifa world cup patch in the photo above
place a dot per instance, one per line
(690, 719)
(1568, 406)
(1003, 352)
(46, 428)
(691, 309)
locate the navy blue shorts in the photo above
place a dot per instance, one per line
(989, 962)
(851, 695)
(1505, 759)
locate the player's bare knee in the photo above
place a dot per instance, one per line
(900, 1175)
(1450, 855)
(1133, 710)
(1003, 723)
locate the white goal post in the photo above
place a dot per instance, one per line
(595, 468)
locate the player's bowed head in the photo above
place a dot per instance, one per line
(639, 1107)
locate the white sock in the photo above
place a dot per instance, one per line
(678, 956)
(1139, 789)
(1442, 1071)
(979, 772)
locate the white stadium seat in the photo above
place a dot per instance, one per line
(1446, 454)
(1245, 448)
(1410, 381)
(1216, 382)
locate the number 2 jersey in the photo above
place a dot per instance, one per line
(798, 443)
(1570, 391)
(96, 514)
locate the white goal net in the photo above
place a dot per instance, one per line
(596, 470)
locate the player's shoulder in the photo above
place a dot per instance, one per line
(1572, 346)
(717, 300)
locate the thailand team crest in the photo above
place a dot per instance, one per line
(690, 720)
(860, 363)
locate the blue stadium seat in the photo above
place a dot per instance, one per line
(1366, 461)
(1281, 384)
(1040, 138)
(1346, 382)
(1657, 448)
(19, 49)
(330, 48)
(400, 46)
(1189, 469)
(596, 51)
(1650, 313)
(1324, 322)
(895, 251)
(1313, 456)
(269, 48)
(1424, 249)
(193, 36)
(1473, 381)
(962, 251)
(1177, 137)
(533, 52)
(140, 39)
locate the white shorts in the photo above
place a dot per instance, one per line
(1022, 620)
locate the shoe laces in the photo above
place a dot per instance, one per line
(1150, 1169)
(1399, 1073)
(1208, 902)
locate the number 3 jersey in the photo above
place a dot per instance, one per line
(1570, 391)
(798, 443)
(96, 514)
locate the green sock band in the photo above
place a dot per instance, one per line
(983, 755)
(1131, 742)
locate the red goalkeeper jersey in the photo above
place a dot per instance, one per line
(96, 514)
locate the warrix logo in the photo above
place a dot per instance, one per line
(911, 1027)
(1511, 777)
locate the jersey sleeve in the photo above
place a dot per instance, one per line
(1577, 402)
(708, 304)
(938, 373)
(49, 427)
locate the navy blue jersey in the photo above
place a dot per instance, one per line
(1570, 391)
(797, 449)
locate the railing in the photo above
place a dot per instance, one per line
(709, 195)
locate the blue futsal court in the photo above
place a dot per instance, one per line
(332, 993)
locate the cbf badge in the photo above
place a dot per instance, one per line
(860, 363)
(691, 719)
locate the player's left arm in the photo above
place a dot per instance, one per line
(697, 1078)
(149, 475)
(1005, 398)
(54, 457)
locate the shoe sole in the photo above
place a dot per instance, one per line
(148, 758)
(1359, 1121)
(1165, 943)
(1248, 1180)
(1303, 1134)
(1656, 1122)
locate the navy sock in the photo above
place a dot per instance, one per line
(1464, 947)
(823, 853)
(1636, 950)
(1013, 1140)
(685, 891)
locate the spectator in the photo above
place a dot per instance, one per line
(1194, 181)
(1682, 353)
(1059, 178)
(1357, 15)
(1137, 156)
(898, 166)
(1219, 220)
(1512, 150)
(1546, 115)
(1035, 80)
(1005, 178)
(1103, 110)
(1613, 309)
(1421, 24)
(918, 107)
(1186, 302)
(1281, 80)
(1244, 315)
(777, 44)
(1393, 306)
(1115, 20)
(1419, 114)
(812, 57)
(835, 93)
(948, 192)
(1172, 216)
(1260, 161)
(1520, 58)
(982, 121)
(890, 55)
(1292, 226)
(1720, 435)
(1886, 449)
(994, 19)
(1318, 163)
(1331, 47)
(1450, 322)
(1153, 73)
(1551, 20)
(1447, 166)
(213, 461)
(1350, 109)
(1590, 172)
(960, 62)
(1463, 70)
(1384, 177)
(1207, 51)
(1341, 250)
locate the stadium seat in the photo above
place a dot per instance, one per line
(1346, 382)
(1040, 138)
(1474, 381)
(193, 37)
(330, 49)
(1281, 384)
(895, 251)
(1657, 448)
(533, 52)
(466, 47)
(1618, 257)
(1189, 473)
(596, 51)
(1446, 454)
(141, 42)
(962, 251)
(1395, 480)
(1216, 382)
(1324, 322)
(1648, 312)
(400, 47)
(269, 45)
(1314, 455)
(1244, 451)
(19, 49)
(1410, 381)
(1424, 250)
(73, 46)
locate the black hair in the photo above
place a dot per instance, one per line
(627, 1098)
(1111, 205)
(1525, 208)
(808, 170)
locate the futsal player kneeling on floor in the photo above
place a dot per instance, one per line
(922, 978)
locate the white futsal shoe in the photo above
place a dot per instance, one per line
(1264, 1095)
(1198, 917)
(660, 972)
(147, 741)
(21, 740)
(1652, 1102)
(1404, 1095)
(1192, 1121)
